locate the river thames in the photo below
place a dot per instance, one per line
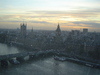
(43, 66)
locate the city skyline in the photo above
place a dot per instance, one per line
(45, 14)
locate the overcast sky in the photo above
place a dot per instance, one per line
(45, 14)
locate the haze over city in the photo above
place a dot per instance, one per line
(45, 14)
(49, 37)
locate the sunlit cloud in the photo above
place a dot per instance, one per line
(41, 14)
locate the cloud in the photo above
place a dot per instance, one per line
(44, 22)
(88, 24)
(81, 18)
(76, 13)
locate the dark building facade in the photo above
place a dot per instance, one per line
(23, 30)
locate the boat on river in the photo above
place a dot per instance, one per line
(59, 58)
(14, 61)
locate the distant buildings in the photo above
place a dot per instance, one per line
(85, 30)
(74, 42)
(58, 40)
(75, 32)
(58, 30)
(23, 30)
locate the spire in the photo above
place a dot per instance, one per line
(32, 30)
(58, 28)
(24, 23)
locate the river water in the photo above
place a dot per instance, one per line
(8, 49)
(44, 66)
